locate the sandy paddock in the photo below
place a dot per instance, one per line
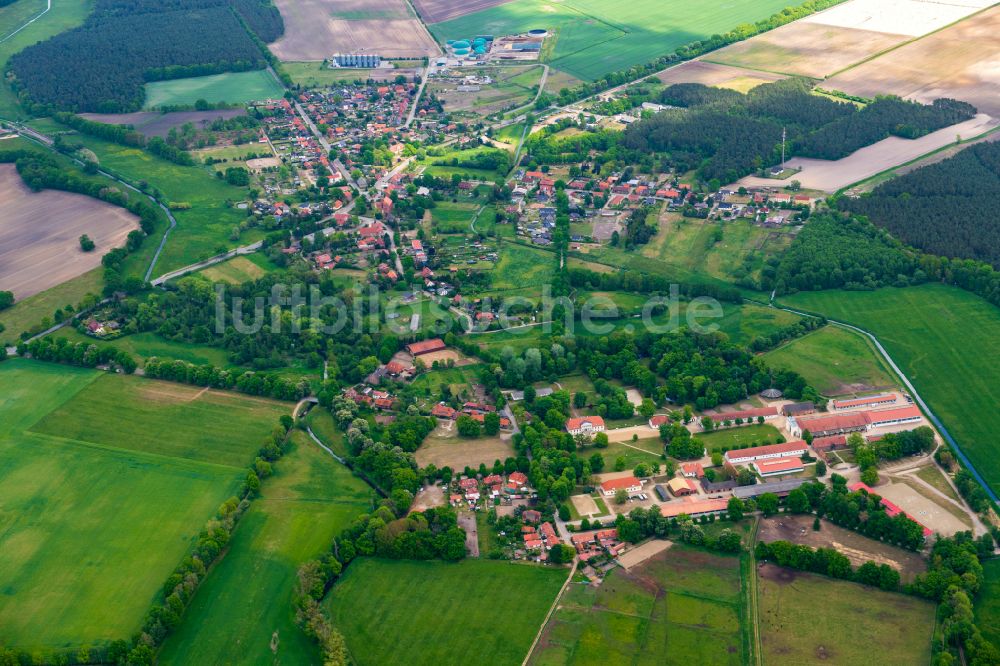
(313, 31)
(585, 505)
(633, 557)
(40, 231)
(259, 163)
(925, 511)
(830, 176)
(961, 62)
(444, 356)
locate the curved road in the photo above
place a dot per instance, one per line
(913, 392)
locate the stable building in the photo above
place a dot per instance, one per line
(425, 346)
(786, 450)
(884, 418)
(867, 401)
(834, 424)
(778, 466)
(694, 508)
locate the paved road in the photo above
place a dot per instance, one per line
(416, 100)
(913, 392)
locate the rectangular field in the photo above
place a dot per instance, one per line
(90, 530)
(316, 29)
(807, 618)
(436, 11)
(592, 37)
(822, 44)
(679, 607)
(835, 361)
(959, 62)
(947, 341)
(39, 237)
(167, 419)
(230, 88)
(475, 611)
(309, 501)
(988, 602)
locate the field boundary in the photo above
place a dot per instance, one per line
(29, 22)
(552, 610)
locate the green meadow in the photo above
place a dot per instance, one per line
(310, 499)
(947, 341)
(835, 361)
(474, 611)
(680, 607)
(100, 501)
(227, 88)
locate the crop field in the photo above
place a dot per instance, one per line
(394, 612)
(80, 560)
(713, 74)
(679, 607)
(835, 361)
(230, 88)
(435, 11)
(316, 29)
(315, 75)
(310, 499)
(729, 438)
(39, 246)
(988, 602)
(200, 422)
(807, 618)
(202, 229)
(17, 34)
(825, 43)
(154, 123)
(957, 62)
(947, 341)
(593, 38)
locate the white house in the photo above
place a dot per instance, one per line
(585, 425)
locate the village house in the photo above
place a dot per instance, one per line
(585, 425)
(630, 484)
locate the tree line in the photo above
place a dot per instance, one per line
(945, 208)
(102, 65)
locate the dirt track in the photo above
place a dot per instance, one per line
(40, 231)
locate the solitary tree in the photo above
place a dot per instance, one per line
(86, 244)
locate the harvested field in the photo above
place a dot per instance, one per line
(961, 61)
(825, 43)
(444, 447)
(435, 11)
(806, 618)
(39, 236)
(857, 548)
(712, 74)
(830, 176)
(151, 123)
(315, 29)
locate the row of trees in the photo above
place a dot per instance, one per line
(82, 354)
(126, 136)
(244, 381)
(828, 562)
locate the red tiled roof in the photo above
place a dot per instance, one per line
(621, 483)
(776, 465)
(883, 415)
(574, 423)
(770, 449)
(692, 507)
(425, 346)
(745, 414)
(891, 509)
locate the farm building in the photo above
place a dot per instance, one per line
(778, 466)
(747, 416)
(786, 450)
(680, 487)
(629, 484)
(658, 420)
(358, 60)
(798, 409)
(823, 426)
(779, 488)
(880, 400)
(443, 411)
(585, 425)
(692, 470)
(890, 417)
(693, 507)
(425, 346)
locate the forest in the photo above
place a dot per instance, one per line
(102, 65)
(727, 135)
(944, 208)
